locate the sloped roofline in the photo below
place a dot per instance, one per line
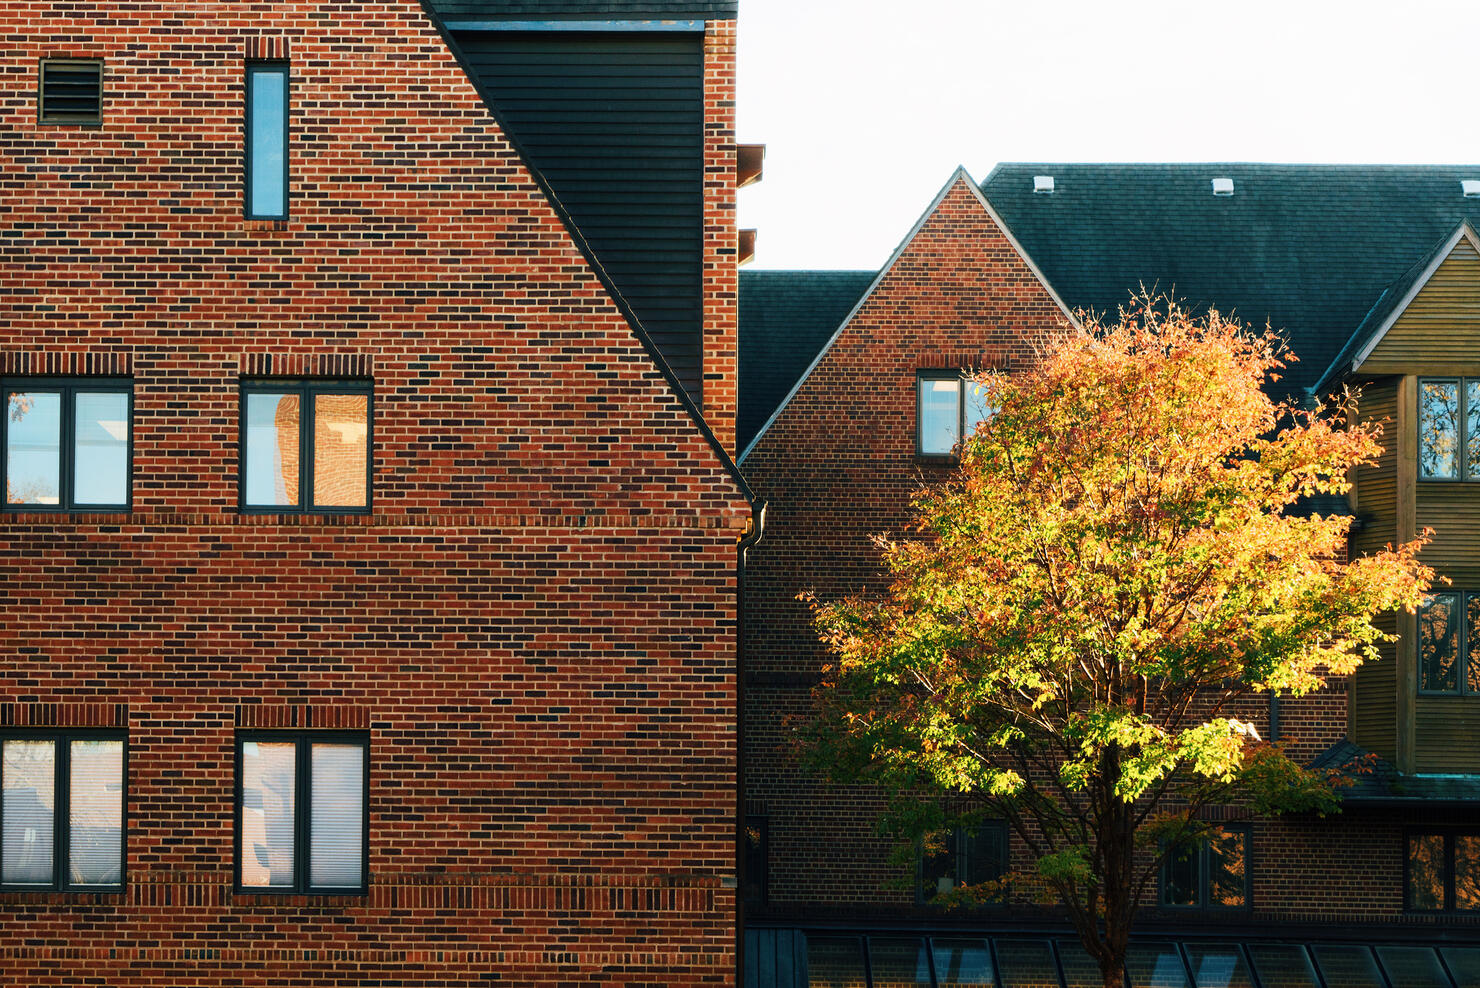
(579, 239)
(959, 175)
(1462, 231)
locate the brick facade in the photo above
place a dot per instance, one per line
(534, 624)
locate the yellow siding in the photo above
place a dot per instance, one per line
(1375, 702)
(1453, 511)
(1439, 331)
(1374, 699)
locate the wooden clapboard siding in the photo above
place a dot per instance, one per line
(1374, 698)
(1447, 732)
(1452, 510)
(1439, 331)
(1374, 719)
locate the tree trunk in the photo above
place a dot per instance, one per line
(1114, 973)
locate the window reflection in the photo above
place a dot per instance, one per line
(268, 772)
(835, 962)
(267, 95)
(272, 449)
(940, 415)
(95, 809)
(1472, 428)
(33, 448)
(1438, 429)
(1438, 643)
(100, 448)
(341, 437)
(1348, 967)
(1218, 965)
(899, 962)
(1467, 871)
(1026, 964)
(29, 772)
(1426, 871)
(963, 963)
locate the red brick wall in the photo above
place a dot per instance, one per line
(836, 466)
(535, 625)
(721, 246)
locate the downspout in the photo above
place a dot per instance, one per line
(754, 529)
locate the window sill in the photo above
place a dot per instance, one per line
(941, 460)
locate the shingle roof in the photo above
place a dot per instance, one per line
(592, 10)
(785, 319)
(1375, 781)
(1308, 248)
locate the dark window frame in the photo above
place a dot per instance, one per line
(963, 378)
(1462, 660)
(61, 806)
(961, 841)
(303, 811)
(1461, 455)
(307, 389)
(1203, 872)
(1449, 834)
(275, 66)
(67, 387)
(42, 118)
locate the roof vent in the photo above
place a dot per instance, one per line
(1222, 186)
(1043, 185)
(1470, 187)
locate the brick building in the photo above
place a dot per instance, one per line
(370, 527)
(851, 391)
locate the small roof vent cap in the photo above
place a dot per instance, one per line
(1222, 186)
(1043, 185)
(1470, 187)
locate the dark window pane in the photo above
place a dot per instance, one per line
(1179, 875)
(33, 448)
(1080, 969)
(100, 445)
(1155, 965)
(1227, 869)
(1438, 429)
(1425, 871)
(268, 773)
(1348, 967)
(272, 449)
(341, 446)
(899, 962)
(1472, 670)
(1217, 965)
(986, 853)
(1472, 428)
(1467, 871)
(1413, 967)
(835, 962)
(1438, 643)
(336, 815)
(755, 859)
(1464, 964)
(937, 864)
(962, 962)
(940, 414)
(1281, 965)
(267, 97)
(28, 807)
(1026, 964)
(95, 813)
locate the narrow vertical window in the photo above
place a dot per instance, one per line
(267, 140)
(1441, 644)
(1439, 430)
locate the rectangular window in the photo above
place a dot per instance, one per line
(1209, 873)
(1449, 429)
(67, 444)
(305, 446)
(62, 810)
(756, 838)
(1443, 871)
(948, 405)
(1449, 644)
(267, 140)
(70, 91)
(302, 812)
(963, 856)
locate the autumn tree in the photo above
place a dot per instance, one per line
(1075, 639)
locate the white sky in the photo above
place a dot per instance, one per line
(866, 107)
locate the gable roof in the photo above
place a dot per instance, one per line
(959, 176)
(1308, 248)
(585, 10)
(785, 318)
